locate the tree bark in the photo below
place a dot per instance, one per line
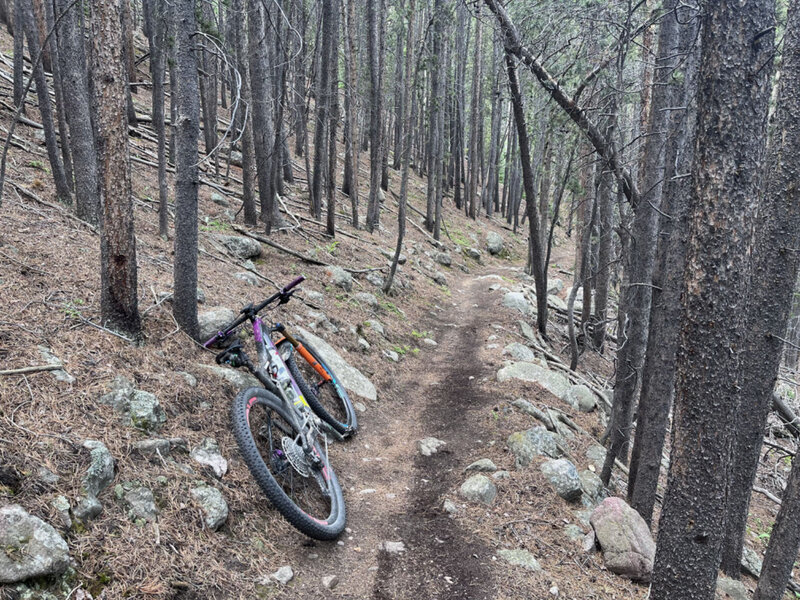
(323, 99)
(118, 279)
(737, 48)
(376, 114)
(333, 94)
(774, 272)
(350, 177)
(184, 304)
(474, 165)
(245, 117)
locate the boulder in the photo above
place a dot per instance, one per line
(369, 299)
(211, 501)
(536, 441)
(350, 377)
(731, 588)
(553, 382)
(527, 331)
(479, 488)
(429, 446)
(340, 278)
(519, 352)
(208, 454)
(213, 320)
(517, 301)
(520, 558)
(473, 253)
(219, 199)
(241, 380)
(100, 473)
(554, 285)
(439, 278)
(563, 476)
(30, 547)
(494, 243)
(592, 485)
(596, 455)
(443, 258)
(581, 398)
(623, 536)
(136, 408)
(239, 246)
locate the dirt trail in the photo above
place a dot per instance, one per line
(396, 494)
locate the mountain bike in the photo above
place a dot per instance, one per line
(283, 428)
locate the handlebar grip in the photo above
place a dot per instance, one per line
(294, 283)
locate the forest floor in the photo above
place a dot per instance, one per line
(49, 291)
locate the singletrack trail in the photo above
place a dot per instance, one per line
(393, 493)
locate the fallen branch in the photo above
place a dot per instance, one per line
(36, 369)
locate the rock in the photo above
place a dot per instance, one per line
(350, 377)
(391, 355)
(519, 352)
(363, 344)
(320, 320)
(213, 320)
(207, 453)
(240, 379)
(144, 412)
(369, 299)
(581, 398)
(87, 509)
(247, 277)
(375, 279)
(61, 505)
(494, 243)
(340, 278)
(138, 501)
(190, 379)
(219, 199)
(498, 475)
(376, 326)
(393, 547)
(517, 301)
(536, 441)
(429, 446)
(45, 475)
(30, 547)
(239, 246)
(51, 359)
(443, 258)
(563, 476)
(450, 507)
(574, 532)
(283, 575)
(478, 488)
(592, 485)
(556, 302)
(751, 561)
(473, 253)
(215, 509)
(100, 473)
(152, 447)
(628, 548)
(484, 465)
(596, 455)
(330, 581)
(520, 558)
(553, 382)
(401, 260)
(730, 588)
(554, 285)
(439, 278)
(360, 406)
(315, 297)
(527, 331)
(430, 342)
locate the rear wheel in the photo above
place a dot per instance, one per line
(324, 393)
(300, 484)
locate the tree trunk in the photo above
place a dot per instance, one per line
(350, 177)
(45, 109)
(774, 267)
(474, 165)
(184, 304)
(118, 281)
(58, 89)
(399, 99)
(436, 71)
(735, 69)
(78, 111)
(333, 94)
(376, 114)
(244, 118)
(658, 374)
(323, 99)
(19, 51)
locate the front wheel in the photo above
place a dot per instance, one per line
(300, 483)
(321, 388)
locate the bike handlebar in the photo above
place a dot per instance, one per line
(248, 310)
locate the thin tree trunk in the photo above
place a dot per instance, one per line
(19, 51)
(333, 94)
(376, 114)
(474, 164)
(244, 116)
(58, 89)
(350, 178)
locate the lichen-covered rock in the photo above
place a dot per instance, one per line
(536, 441)
(213, 320)
(517, 300)
(429, 446)
(239, 246)
(439, 278)
(520, 558)
(138, 500)
(367, 299)
(208, 454)
(519, 351)
(494, 243)
(100, 473)
(340, 278)
(479, 488)
(213, 504)
(592, 485)
(563, 476)
(241, 380)
(553, 382)
(628, 548)
(351, 378)
(596, 455)
(29, 547)
(581, 398)
(485, 465)
(443, 258)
